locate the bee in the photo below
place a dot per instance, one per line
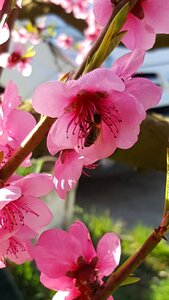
(94, 131)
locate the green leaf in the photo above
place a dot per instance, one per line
(130, 280)
(166, 206)
(110, 41)
(36, 167)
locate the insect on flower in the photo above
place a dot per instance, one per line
(94, 131)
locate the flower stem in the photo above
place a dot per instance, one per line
(133, 262)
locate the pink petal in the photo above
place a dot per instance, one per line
(11, 99)
(146, 92)
(21, 255)
(1, 4)
(61, 283)
(101, 79)
(102, 11)
(67, 140)
(25, 69)
(139, 34)
(68, 169)
(8, 194)
(108, 252)
(36, 213)
(35, 185)
(81, 233)
(156, 15)
(129, 63)
(51, 98)
(131, 113)
(3, 249)
(18, 129)
(56, 252)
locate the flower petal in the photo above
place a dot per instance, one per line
(156, 15)
(51, 98)
(146, 92)
(17, 129)
(139, 34)
(52, 252)
(108, 252)
(36, 213)
(61, 283)
(67, 171)
(101, 79)
(8, 194)
(35, 185)
(81, 233)
(129, 63)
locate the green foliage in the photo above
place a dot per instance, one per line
(36, 167)
(26, 277)
(160, 290)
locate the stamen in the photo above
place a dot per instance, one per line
(84, 109)
(15, 247)
(12, 215)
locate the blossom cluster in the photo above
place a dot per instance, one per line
(98, 113)
(22, 213)
(94, 115)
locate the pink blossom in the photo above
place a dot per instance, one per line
(25, 34)
(12, 128)
(147, 18)
(22, 214)
(78, 7)
(18, 59)
(95, 114)
(74, 268)
(64, 41)
(93, 29)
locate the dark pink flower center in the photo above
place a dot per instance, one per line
(13, 213)
(15, 57)
(8, 153)
(89, 110)
(138, 10)
(85, 278)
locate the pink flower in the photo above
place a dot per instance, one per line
(78, 7)
(95, 114)
(147, 18)
(64, 41)
(67, 171)
(22, 214)
(74, 267)
(19, 59)
(12, 128)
